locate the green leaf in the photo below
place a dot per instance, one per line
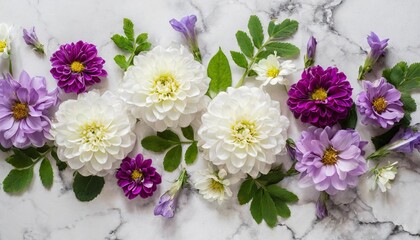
(123, 43)
(409, 103)
(282, 209)
(143, 47)
(285, 29)
(121, 62)
(256, 206)
(46, 173)
(351, 120)
(43, 149)
(256, 31)
(245, 43)
(156, 144)
(282, 194)
(188, 133)
(128, 29)
(271, 28)
(239, 59)
(18, 180)
(19, 162)
(169, 135)
(269, 211)
(60, 165)
(396, 74)
(412, 78)
(285, 50)
(141, 38)
(219, 72)
(274, 176)
(191, 153)
(87, 188)
(172, 158)
(31, 152)
(385, 138)
(246, 191)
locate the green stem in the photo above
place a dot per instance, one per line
(10, 64)
(131, 58)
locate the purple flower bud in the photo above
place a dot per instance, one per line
(166, 206)
(377, 46)
(405, 140)
(311, 47)
(187, 27)
(321, 205)
(291, 149)
(31, 39)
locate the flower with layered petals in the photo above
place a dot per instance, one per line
(213, 185)
(93, 133)
(5, 39)
(380, 104)
(165, 87)
(271, 71)
(243, 130)
(330, 159)
(24, 111)
(321, 97)
(76, 66)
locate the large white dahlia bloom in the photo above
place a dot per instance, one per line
(93, 133)
(243, 130)
(165, 87)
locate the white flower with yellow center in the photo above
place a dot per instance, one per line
(212, 185)
(243, 130)
(270, 70)
(165, 87)
(93, 133)
(5, 40)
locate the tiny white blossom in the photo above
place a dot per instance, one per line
(383, 176)
(272, 71)
(213, 185)
(5, 40)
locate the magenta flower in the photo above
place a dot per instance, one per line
(76, 66)
(24, 111)
(321, 97)
(330, 159)
(186, 26)
(136, 176)
(31, 39)
(379, 104)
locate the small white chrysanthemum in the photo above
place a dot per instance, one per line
(271, 71)
(243, 130)
(5, 39)
(93, 133)
(213, 185)
(165, 87)
(382, 177)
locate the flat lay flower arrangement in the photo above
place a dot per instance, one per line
(241, 129)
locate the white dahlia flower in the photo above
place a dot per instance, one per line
(165, 87)
(243, 130)
(212, 185)
(271, 71)
(5, 40)
(93, 133)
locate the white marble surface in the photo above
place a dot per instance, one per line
(340, 26)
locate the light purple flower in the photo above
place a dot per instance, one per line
(410, 134)
(321, 205)
(379, 104)
(31, 39)
(25, 110)
(330, 159)
(311, 47)
(186, 26)
(166, 206)
(377, 47)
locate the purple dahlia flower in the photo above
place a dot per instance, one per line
(380, 104)
(24, 111)
(136, 176)
(402, 136)
(330, 158)
(76, 66)
(321, 97)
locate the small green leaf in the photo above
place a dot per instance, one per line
(246, 191)
(123, 43)
(245, 43)
(188, 133)
(282, 194)
(128, 29)
(172, 158)
(256, 206)
(285, 50)
(169, 135)
(383, 139)
(351, 120)
(60, 165)
(3, 149)
(87, 188)
(143, 47)
(271, 28)
(285, 29)
(43, 149)
(256, 31)
(413, 71)
(18, 180)
(141, 38)
(219, 72)
(121, 62)
(282, 209)
(274, 176)
(239, 59)
(191, 154)
(396, 74)
(156, 144)
(409, 103)
(18, 162)
(46, 173)
(269, 211)
(31, 152)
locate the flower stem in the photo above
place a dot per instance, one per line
(10, 64)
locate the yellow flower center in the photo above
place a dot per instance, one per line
(216, 186)
(77, 66)
(93, 133)
(20, 111)
(379, 104)
(319, 94)
(244, 132)
(136, 174)
(330, 156)
(3, 45)
(165, 86)
(273, 72)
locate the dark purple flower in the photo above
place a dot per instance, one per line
(76, 66)
(166, 206)
(31, 39)
(321, 97)
(405, 140)
(24, 111)
(136, 176)
(310, 52)
(379, 104)
(331, 159)
(187, 27)
(377, 46)
(321, 205)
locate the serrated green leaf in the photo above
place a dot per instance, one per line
(188, 133)
(143, 47)
(409, 103)
(141, 38)
(271, 27)
(282, 209)
(191, 154)
(269, 211)
(172, 158)
(245, 43)
(123, 43)
(156, 144)
(282, 194)
(18, 180)
(219, 72)
(396, 74)
(169, 135)
(256, 206)
(87, 188)
(19, 163)
(121, 62)
(60, 165)
(246, 191)
(285, 29)
(284, 50)
(128, 29)
(239, 59)
(256, 30)
(351, 120)
(413, 71)
(46, 173)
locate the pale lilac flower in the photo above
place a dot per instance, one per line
(186, 26)
(310, 52)
(377, 49)
(31, 39)
(408, 139)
